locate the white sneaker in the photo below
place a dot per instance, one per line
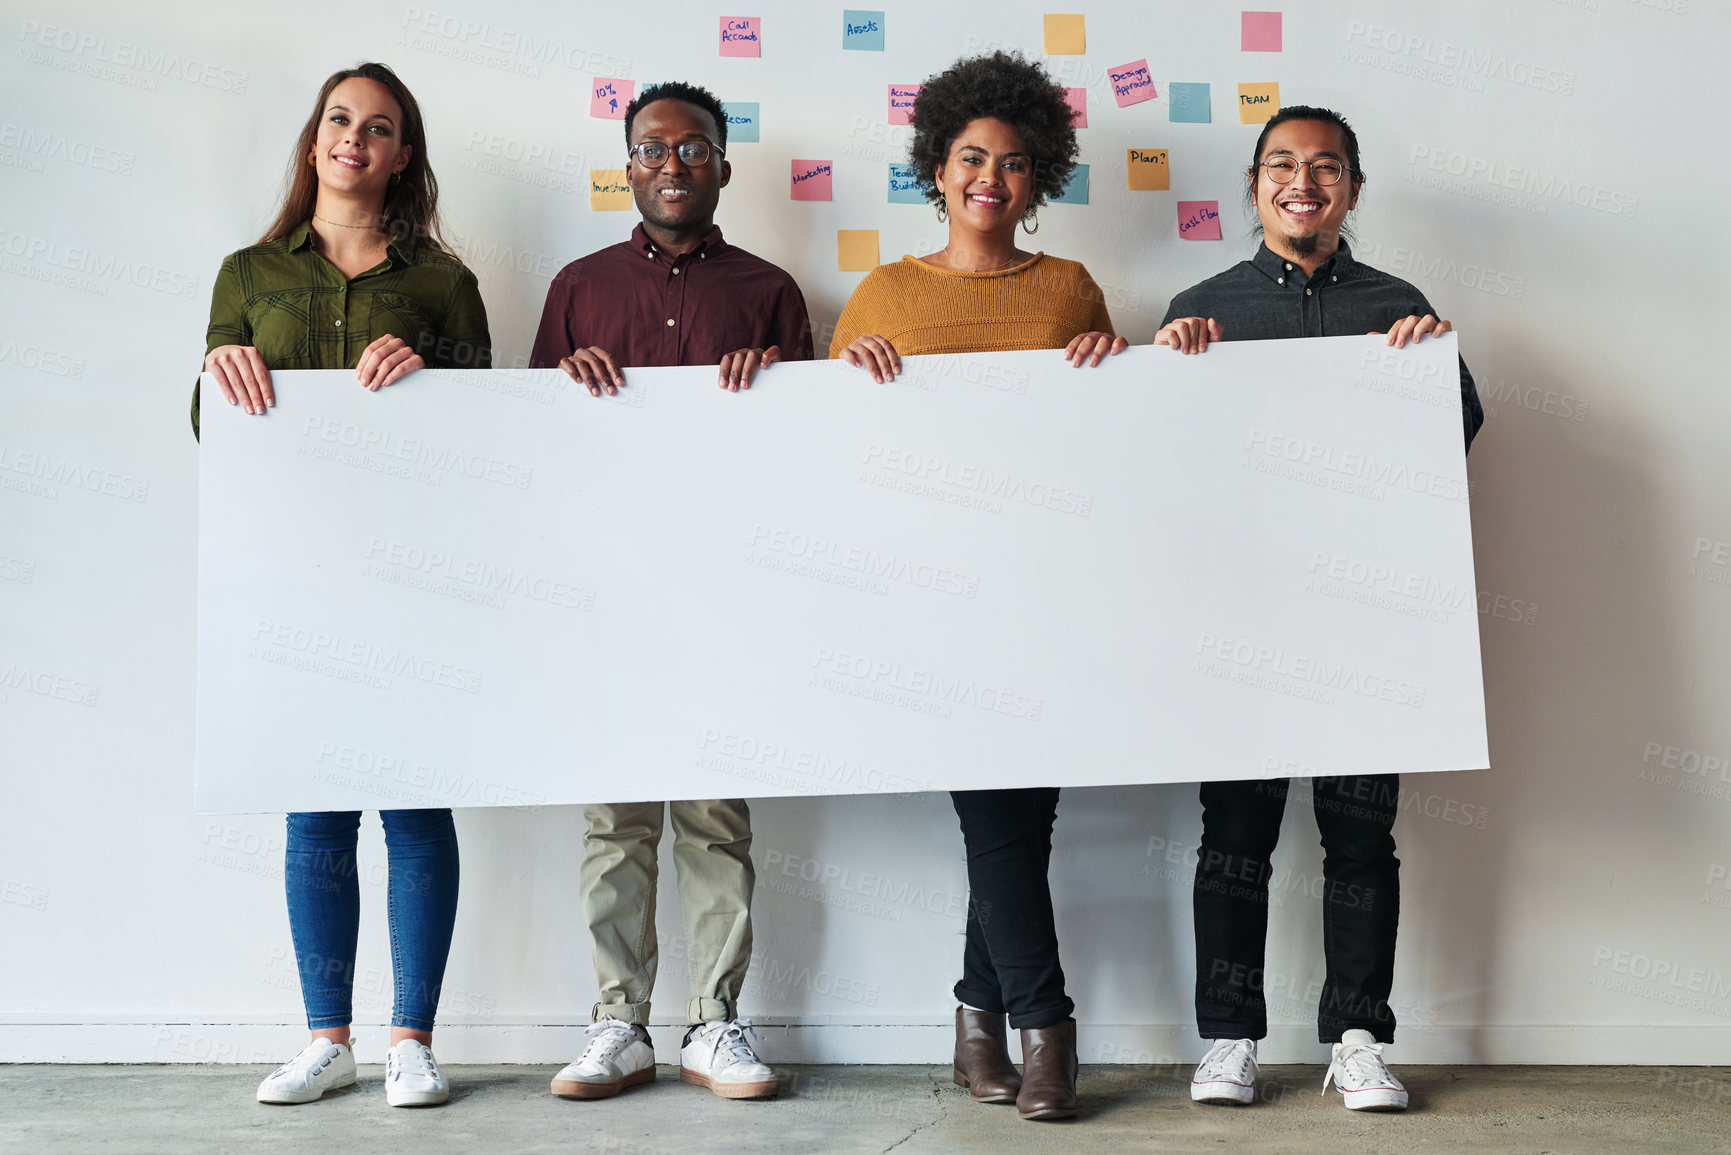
(1227, 1073)
(618, 1056)
(322, 1066)
(412, 1077)
(718, 1055)
(1359, 1074)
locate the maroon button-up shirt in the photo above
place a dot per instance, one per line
(646, 307)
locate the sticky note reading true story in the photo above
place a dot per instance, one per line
(862, 31)
(1064, 35)
(608, 191)
(811, 180)
(902, 102)
(739, 35)
(1261, 32)
(1075, 188)
(856, 250)
(608, 97)
(1198, 220)
(1077, 99)
(1258, 102)
(1131, 83)
(1147, 170)
(905, 186)
(742, 121)
(1189, 103)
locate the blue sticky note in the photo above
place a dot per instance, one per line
(741, 121)
(1189, 103)
(1075, 189)
(905, 186)
(862, 31)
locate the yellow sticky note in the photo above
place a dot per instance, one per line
(856, 250)
(1258, 102)
(608, 190)
(1146, 169)
(1064, 34)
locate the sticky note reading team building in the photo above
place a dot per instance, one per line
(739, 35)
(1261, 32)
(608, 191)
(1064, 35)
(1077, 99)
(902, 102)
(905, 187)
(1146, 169)
(608, 97)
(1131, 83)
(1189, 103)
(862, 31)
(1198, 220)
(856, 250)
(811, 180)
(1258, 102)
(742, 121)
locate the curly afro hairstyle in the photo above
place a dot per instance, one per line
(1004, 86)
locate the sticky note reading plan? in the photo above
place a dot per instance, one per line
(608, 191)
(811, 180)
(902, 102)
(1064, 35)
(1131, 83)
(1146, 169)
(1198, 220)
(1258, 102)
(739, 35)
(608, 97)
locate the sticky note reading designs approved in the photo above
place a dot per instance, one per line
(1258, 102)
(811, 180)
(740, 35)
(608, 191)
(609, 96)
(1131, 83)
(1146, 169)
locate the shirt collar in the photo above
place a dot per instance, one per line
(399, 251)
(1275, 267)
(711, 245)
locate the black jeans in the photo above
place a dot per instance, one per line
(1010, 960)
(1360, 894)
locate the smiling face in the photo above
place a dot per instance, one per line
(988, 178)
(1304, 218)
(360, 140)
(677, 197)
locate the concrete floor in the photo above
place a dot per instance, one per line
(192, 1109)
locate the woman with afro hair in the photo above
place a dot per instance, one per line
(993, 141)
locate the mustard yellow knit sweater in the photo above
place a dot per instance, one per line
(920, 308)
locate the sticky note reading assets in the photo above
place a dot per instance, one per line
(862, 31)
(856, 250)
(905, 186)
(1146, 169)
(608, 191)
(811, 180)
(608, 97)
(902, 102)
(740, 35)
(1258, 102)
(1077, 99)
(1198, 220)
(1064, 36)
(1131, 83)
(1189, 103)
(1261, 32)
(742, 121)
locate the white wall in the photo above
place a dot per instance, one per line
(131, 929)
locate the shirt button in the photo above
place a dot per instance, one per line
(1280, 280)
(1334, 278)
(670, 321)
(1289, 268)
(339, 324)
(1307, 292)
(676, 272)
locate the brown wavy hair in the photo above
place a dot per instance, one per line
(411, 209)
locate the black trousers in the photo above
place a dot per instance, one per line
(1010, 959)
(1360, 894)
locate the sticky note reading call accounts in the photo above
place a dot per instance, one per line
(1258, 102)
(1131, 83)
(1189, 103)
(902, 102)
(608, 97)
(608, 191)
(739, 35)
(905, 186)
(1064, 36)
(1198, 220)
(856, 250)
(1261, 32)
(1077, 99)
(1147, 170)
(742, 121)
(811, 180)
(862, 31)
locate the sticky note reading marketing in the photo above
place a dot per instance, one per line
(1261, 32)
(905, 186)
(608, 97)
(902, 102)
(1075, 188)
(608, 191)
(1131, 83)
(1258, 102)
(1146, 169)
(862, 31)
(856, 250)
(1189, 103)
(1077, 99)
(742, 121)
(1198, 220)
(1064, 36)
(739, 35)
(811, 180)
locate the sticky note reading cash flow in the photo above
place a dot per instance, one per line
(811, 180)
(905, 186)
(1258, 102)
(1131, 83)
(1075, 188)
(608, 191)
(1064, 36)
(1077, 99)
(742, 121)
(902, 102)
(1198, 220)
(862, 31)
(1261, 32)
(608, 97)
(1147, 170)
(1189, 103)
(739, 35)
(856, 250)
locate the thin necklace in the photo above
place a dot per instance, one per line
(340, 225)
(993, 269)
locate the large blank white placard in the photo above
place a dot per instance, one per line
(489, 588)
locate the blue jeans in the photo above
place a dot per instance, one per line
(324, 904)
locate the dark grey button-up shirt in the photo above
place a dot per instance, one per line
(1267, 298)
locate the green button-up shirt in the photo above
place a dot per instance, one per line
(299, 312)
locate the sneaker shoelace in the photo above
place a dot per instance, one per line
(1228, 1060)
(606, 1038)
(411, 1060)
(732, 1039)
(1360, 1063)
(308, 1060)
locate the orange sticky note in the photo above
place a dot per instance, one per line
(1064, 36)
(1258, 102)
(608, 190)
(1146, 169)
(856, 250)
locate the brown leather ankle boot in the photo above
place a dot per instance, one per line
(983, 1058)
(1049, 1072)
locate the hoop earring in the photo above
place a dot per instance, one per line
(1031, 216)
(943, 212)
(396, 178)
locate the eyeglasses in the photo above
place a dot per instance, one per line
(1283, 169)
(692, 153)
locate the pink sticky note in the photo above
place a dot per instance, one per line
(1077, 99)
(608, 97)
(1198, 220)
(1261, 32)
(739, 35)
(902, 102)
(811, 180)
(1131, 83)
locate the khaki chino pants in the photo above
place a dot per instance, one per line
(712, 855)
